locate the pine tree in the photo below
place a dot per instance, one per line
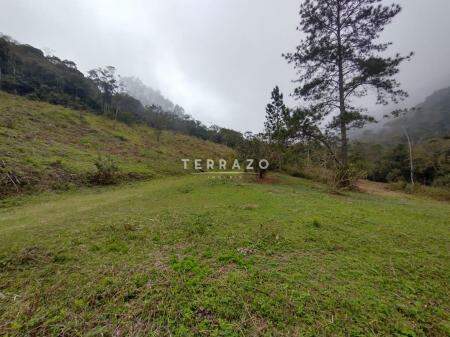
(277, 115)
(276, 124)
(340, 59)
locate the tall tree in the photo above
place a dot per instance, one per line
(276, 123)
(340, 59)
(277, 115)
(107, 82)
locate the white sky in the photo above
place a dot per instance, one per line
(219, 59)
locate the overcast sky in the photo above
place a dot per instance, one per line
(219, 59)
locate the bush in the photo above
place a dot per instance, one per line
(437, 193)
(10, 181)
(316, 173)
(443, 181)
(107, 171)
(340, 178)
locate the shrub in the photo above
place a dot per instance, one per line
(345, 178)
(10, 180)
(443, 181)
(107, 171)
(437, 193)
(316, 173)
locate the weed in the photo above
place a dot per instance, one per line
(316, 224)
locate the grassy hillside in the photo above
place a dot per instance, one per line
(48, 146)
(197, 256)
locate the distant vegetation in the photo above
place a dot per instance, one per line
(384, 157)
(26, 71)
(219, 254)
(430, 119)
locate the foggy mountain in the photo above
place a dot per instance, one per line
(428, 119)
(134, 87)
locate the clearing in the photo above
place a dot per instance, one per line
(208, 255)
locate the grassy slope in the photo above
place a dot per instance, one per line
(50, 146)
(211, 257)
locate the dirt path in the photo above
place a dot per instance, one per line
(376, 188)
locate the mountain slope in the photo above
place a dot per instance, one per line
(429, 119)
(26, 71)
(49, 146)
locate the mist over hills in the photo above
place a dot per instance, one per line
(429, 119)
(27, 71)
(134, 87)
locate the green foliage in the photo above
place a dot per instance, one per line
(107, 171)
(257, 148)
(434, 192)
(339, 59)
(429, 119)
(390, 163)
(27, 71)
(277, 119)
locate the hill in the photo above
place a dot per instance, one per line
(26, 71)
(191, 256)
(49, 146)
(430, 119)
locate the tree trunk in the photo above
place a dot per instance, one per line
(308, 162)
(411, 162)
(262, 173)
(342, 110)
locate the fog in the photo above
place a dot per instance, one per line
(219, 59)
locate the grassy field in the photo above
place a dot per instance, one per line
(204, 256)
(50, 147)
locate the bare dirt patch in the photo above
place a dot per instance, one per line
(377, 188)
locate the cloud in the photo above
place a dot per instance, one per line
(219, 59)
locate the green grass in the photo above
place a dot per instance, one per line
(50, 147)
(203, 256)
